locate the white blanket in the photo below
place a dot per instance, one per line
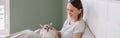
(25, 34)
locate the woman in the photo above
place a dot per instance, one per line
(74, 25)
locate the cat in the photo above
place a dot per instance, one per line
(47, 31)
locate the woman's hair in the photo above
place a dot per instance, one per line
(78, 5)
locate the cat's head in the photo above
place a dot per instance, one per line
(47, 27)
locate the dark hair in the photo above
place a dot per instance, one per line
(78, 5)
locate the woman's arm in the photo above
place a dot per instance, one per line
(77, 36)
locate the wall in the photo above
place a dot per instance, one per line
(64, 10)
(28, 14)
(1, 2)
(103, 18)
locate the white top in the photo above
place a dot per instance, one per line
(71, 28)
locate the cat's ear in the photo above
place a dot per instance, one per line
(41, 25)
(51, 23)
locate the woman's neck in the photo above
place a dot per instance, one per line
(76, 19)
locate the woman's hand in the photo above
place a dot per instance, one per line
(77, 36)
(57, 32)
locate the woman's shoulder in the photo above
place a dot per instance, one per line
(80, 23)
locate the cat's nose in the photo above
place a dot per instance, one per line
(47, 29)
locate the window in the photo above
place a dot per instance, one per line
(4, 17)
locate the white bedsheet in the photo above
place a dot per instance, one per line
(25, 34)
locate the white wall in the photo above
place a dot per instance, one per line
(88, 33)
(103, 18)
(1, 2)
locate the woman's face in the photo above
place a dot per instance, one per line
(73, 11)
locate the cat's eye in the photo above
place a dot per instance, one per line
(45, 28)
(51, 28)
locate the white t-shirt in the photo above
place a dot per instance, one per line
(70, 28)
